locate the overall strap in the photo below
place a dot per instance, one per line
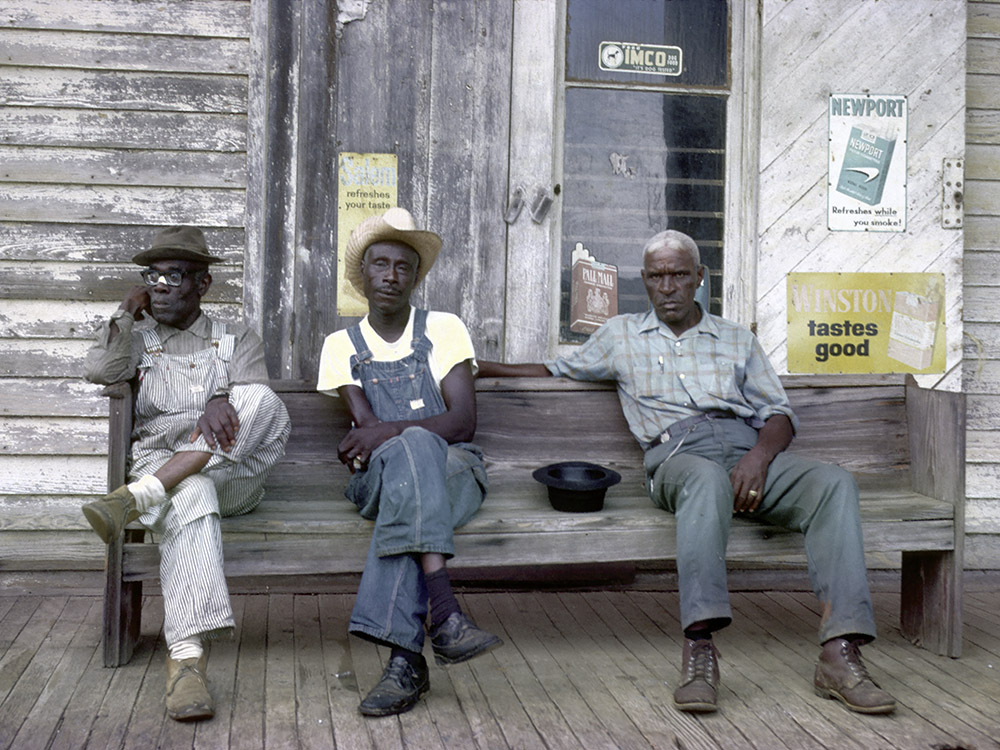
(224, 345)
(152, 347)
(362, 353)
(421, 345)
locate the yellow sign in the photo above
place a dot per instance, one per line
(367, 187)
(866, 322)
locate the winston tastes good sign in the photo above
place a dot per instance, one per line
(866, 322)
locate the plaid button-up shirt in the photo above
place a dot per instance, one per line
(663, 378)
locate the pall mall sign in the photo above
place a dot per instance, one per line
(867, 177)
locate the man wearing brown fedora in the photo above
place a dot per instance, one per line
(406, 376)
(207, 430)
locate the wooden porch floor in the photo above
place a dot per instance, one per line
(578, 670)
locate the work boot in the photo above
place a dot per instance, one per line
(457, 639)
(841, 674)
(187, 696)
(112, 513)
(699, 677)
(399, 689)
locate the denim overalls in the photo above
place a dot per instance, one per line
(417, 489)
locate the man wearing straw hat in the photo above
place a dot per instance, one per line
(407, 377)
(207, 431)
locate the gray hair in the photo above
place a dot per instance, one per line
(672, 239)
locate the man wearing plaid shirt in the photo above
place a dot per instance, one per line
(708, 409)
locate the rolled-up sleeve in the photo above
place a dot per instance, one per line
(762, 387)
(112, 360)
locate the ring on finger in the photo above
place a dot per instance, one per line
(752, 494)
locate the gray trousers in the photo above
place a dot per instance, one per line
(818, 499)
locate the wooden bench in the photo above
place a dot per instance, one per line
(904, 444)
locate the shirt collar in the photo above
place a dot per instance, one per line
(201, 327)
(707, 324)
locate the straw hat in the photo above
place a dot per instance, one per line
(395, 224)
(177, 243)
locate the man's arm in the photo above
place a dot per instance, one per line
(456, 424)
(750, 471)
(489, 369)
(110, 359)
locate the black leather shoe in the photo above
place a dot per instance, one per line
(458, 639)
(399, 689)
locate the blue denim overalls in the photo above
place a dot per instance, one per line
(417, 489)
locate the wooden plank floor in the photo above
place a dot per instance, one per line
(578, 670)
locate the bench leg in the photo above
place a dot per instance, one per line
(931, 604)
(122, 605)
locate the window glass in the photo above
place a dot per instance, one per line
(700, 28)
(642, 156)
(636, 163)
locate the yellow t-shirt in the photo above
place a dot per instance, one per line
(450, 344)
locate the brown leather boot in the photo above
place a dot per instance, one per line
(841, 674)
(112, 513)
(187, 696)
(699, 677)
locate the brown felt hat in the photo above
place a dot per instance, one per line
(395, 224)
(177, 243)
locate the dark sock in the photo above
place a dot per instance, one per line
(698, 635)
(442, 599)
(412, 657)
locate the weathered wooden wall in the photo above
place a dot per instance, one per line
(426, 80)
(116, 118)
(982, 285)
(810, 50)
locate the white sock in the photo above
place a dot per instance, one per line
(148, 492)
(189, 648)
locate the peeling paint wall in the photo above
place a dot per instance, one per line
(116, 118)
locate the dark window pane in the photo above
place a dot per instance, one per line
(700, 28)
(636, 163)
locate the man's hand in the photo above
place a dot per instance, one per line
(747, 478)
(359, 444)
(136, 301)
(218, 424)
(750, 472)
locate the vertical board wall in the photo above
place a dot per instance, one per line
(982, 286)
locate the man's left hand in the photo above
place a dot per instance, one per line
(218, 424)
(359, 444)
(747, 478)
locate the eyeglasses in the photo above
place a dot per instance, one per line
(152, 277)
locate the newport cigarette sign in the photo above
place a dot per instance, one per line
(629, 57)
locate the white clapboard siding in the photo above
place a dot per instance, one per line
(205, 18)
(71, 319)
(981, 373)
(99, 242)
(97, 166)
(118, 118)
(152, 52)
(812, 56)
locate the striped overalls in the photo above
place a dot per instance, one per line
(173, 391)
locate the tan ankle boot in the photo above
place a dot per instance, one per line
(697, 691)
(112, 513)
(187, 696)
